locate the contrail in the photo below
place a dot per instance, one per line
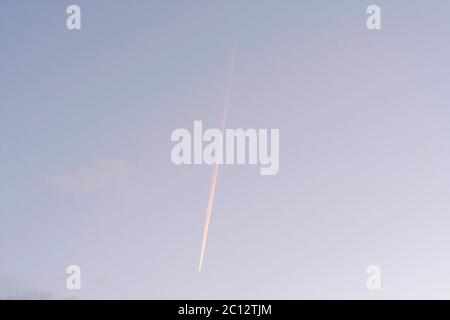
(212, 188)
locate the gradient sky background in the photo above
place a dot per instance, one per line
(86, 176)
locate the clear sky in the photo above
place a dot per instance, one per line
(86, 175)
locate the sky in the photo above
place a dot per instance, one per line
(87, 179)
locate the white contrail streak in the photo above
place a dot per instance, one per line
(212, 191)
(212, 188)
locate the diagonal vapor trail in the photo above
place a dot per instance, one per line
(212, 188)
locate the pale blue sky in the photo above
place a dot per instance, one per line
(85, 124)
